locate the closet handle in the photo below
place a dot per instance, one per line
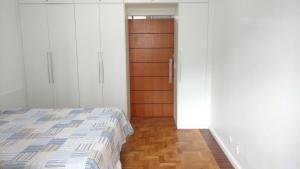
(99, 68)
(171, 70)
(102, 67)
(49, 69)
(179, 65)
(51, 63)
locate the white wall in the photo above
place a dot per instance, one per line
(12, 90)
(256, 81)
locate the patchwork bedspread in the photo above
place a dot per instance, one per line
(62, 138)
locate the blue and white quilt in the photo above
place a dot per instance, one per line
(62, 138)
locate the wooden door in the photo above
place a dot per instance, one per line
(151, 48)
(61, 23)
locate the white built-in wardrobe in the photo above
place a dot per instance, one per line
(75, 54)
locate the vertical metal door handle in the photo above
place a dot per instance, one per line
(99, 67)
(51, 63)
(48, 67)
(102, 65)
(171, 70)
(179, 65)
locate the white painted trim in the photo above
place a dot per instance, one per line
(228, 154)
(151, 9)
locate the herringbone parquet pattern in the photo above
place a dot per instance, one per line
(157, 144)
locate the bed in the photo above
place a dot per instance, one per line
(62, 138)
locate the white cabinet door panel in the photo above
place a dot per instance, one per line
(35, 48)
(60, 1)
(32, 1)
(151, 1)
(192, 60)
(88, 52)
(164, 1)
(111, 1)
(87, 1)
(98, 1)
(63, 47)
(138, 1)
(45, 1)
(193, 0)
(112, 22)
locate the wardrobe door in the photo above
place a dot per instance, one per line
(32, 1)
(35, 48)
(60, 1)
(63, 47)
(86, 1)
(98, 1)
(138, 1)
(164, 1)
(45, 1)
(88, 52)
(151, 1)
(193, 1)
(112, 22)
(111, 1)
(192, 63)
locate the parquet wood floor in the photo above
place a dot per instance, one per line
(156, 144)
(216, 150)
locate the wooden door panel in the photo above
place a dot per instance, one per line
(150, 83)
(152, 110)
(151, 96)
(151, 45)
(151, 26)
(150, 55)
(151, 41)
(149, 69)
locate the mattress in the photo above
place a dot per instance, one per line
(62, 138)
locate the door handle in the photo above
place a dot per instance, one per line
(51, 66)
(102, 66)
(49, 69)
(99, 68)
(171, 70)
(179, 65)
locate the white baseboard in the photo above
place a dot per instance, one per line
(228, 154)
